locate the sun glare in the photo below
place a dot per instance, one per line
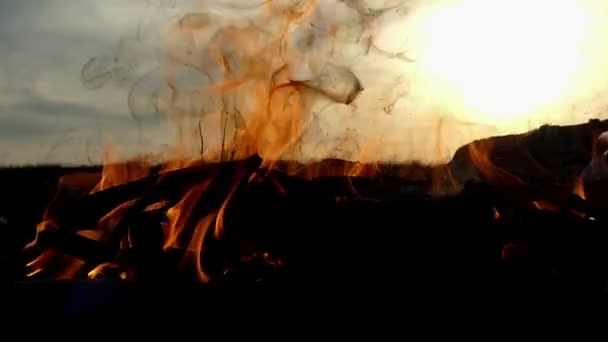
(500, 61)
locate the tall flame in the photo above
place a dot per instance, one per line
(294, 79)
(347, 79)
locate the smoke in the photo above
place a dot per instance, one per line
(355, 79)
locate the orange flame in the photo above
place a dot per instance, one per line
(116, 172)
(253, 84)
(179, 214)
(195, 247)
(579, 187)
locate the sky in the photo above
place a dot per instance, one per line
(53, 112)
(46, 114)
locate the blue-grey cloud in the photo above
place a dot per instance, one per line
(12, 126)
(43, 47)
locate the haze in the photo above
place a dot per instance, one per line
(442, 73)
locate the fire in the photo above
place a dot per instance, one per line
(579, 188)
(116, 171)
(298, 81)
(178, 215)
(290, 79)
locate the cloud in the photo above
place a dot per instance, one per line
(43, 46)
(17, 127)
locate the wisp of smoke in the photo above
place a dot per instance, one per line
(354, 79)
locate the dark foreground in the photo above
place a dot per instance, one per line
(485, 245)
(333, 243)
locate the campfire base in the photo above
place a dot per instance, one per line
(341, 243)
(485, 242)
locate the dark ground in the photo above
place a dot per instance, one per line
(26, 193)
(404, 248)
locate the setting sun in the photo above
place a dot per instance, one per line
(500, 61)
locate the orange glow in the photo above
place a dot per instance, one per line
(179, 214)
(544, 205)
(579, 188)
(496, 213)
(290, 79)
(116, 172)
(195, 247)
(294, 82)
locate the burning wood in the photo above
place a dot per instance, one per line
(252, 223)
(246, 222)
(246, 215)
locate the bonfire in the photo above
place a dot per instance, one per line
(271, 198)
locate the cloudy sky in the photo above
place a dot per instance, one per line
(46, 114)
(49, 114)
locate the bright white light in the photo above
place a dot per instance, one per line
(499, 61)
